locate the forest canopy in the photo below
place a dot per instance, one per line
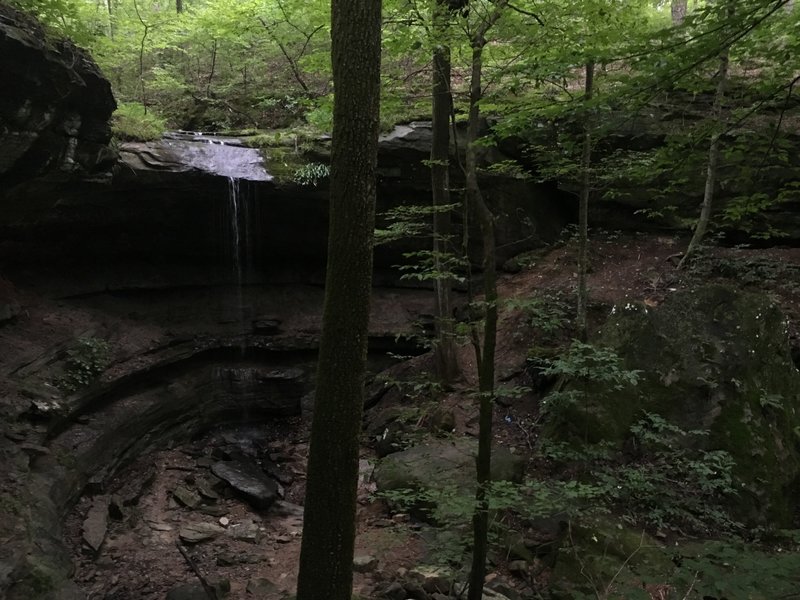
(222, 64)
(261, 66)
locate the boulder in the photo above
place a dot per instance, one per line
(261, 587)
(248, 480)
(246, 531)
(443, 463)
(712, 358)
(186, 497)
(194, 533)
(364, 563)
(55, 114)
(600, 552)
(95, 525)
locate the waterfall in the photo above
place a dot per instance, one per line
(238, 228)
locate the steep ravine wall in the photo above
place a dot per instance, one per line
(55, 106)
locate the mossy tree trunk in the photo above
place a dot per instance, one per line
(445, 351)
(326, 558)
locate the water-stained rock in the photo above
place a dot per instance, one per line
(213, 155)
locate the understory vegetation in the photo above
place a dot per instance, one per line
(664, 456)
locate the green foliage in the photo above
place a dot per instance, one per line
(311, 174)
(11, 505)
(321, 117)
(756, 271)
(86, 360)
(63, 18)
(662, 484)
(548, 314)
(408, 221)
(666, 487)
(433, 266)
(131, 122)
(414, 221)
(417, 387)
(584, 365)
(734, 569)
(451, 509)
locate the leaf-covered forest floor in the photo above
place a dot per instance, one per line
(140, 558)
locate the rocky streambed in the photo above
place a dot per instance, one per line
(222, 511)
(154, 439)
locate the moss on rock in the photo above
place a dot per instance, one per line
(717, 359)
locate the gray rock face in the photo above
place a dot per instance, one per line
(223, 157)
(712, 358)
(249, 480)
(55, 104)
(272, 389)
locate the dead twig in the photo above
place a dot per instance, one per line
(209, 589)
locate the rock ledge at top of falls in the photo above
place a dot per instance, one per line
(55, 106)
(182, 152)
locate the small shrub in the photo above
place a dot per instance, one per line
(311, 174)
(668, 485)
(733, 569)
(85, 361)
(132, 123)
(548, 314)
(585, 365)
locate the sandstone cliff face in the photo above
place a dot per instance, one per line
(54, 109)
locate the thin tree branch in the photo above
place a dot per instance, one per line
(526, 13)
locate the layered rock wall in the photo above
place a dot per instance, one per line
(55, 106)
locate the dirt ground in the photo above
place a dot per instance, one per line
(140, 558)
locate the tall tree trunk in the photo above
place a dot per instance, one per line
(111, 28)
(143, 41)
(583, 209)
(484, 356)
(679, 9)
(445, 351)
(178, 6)
(213, 68)
(326, 557)
(713, 154)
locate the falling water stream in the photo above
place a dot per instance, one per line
(228, 157)
(239, 240)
